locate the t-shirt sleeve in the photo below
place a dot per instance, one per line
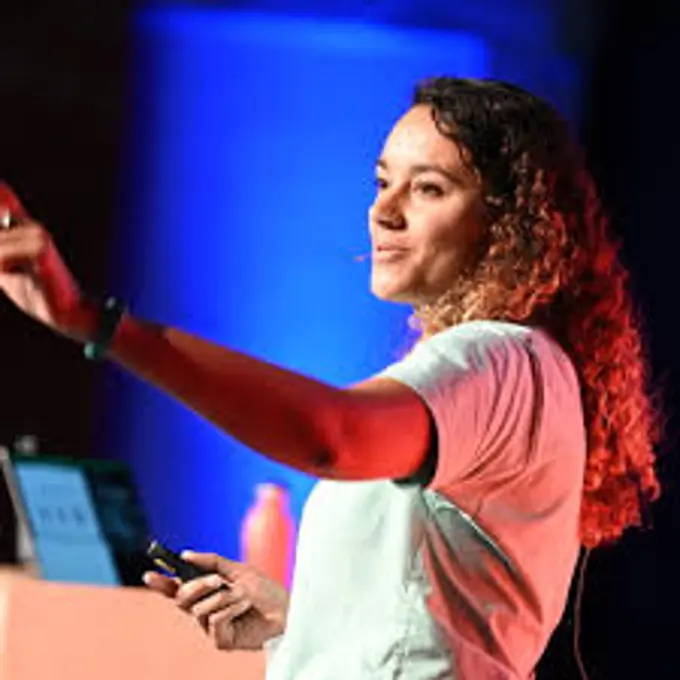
(481, 389)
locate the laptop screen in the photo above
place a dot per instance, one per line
(84, 518)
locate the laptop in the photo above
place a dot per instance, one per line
(82, 518)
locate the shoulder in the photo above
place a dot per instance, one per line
(477, 335)
(484, 384)
(470, 348)
(468, 365)
(488, 363)
(475, 344)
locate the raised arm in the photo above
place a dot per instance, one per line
(377, 429)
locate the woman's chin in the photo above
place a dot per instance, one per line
(391, 293)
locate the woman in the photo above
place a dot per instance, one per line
(460, 483)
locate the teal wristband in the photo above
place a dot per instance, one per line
(112, 311)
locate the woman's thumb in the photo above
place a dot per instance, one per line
(212, 562)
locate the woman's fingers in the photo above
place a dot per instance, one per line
(220, 624)
(197, 589)
(161, 584)
(222, 599)
(209, 597)
(214, 563)
(11, 204)
(24, 245)
(222, 604)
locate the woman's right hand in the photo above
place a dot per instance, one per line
(33, 274)
(244, 615)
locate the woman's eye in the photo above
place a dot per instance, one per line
(380, 183)
(430, 189)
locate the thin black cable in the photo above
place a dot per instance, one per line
(580, 586)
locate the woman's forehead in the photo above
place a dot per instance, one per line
(416, 138)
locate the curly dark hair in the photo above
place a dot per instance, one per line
(550, 261)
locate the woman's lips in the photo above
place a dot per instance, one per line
(386, 254)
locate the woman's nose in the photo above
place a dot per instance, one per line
(387, 212)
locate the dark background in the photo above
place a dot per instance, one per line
(63, 75)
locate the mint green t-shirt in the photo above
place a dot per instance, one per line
(464, 575)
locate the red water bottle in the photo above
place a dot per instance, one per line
(267, 533)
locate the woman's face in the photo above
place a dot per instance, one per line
(427, 220)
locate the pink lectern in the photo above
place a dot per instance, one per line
(55, 631)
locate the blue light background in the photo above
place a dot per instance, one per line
(248, 175)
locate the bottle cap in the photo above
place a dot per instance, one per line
(266, 490)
